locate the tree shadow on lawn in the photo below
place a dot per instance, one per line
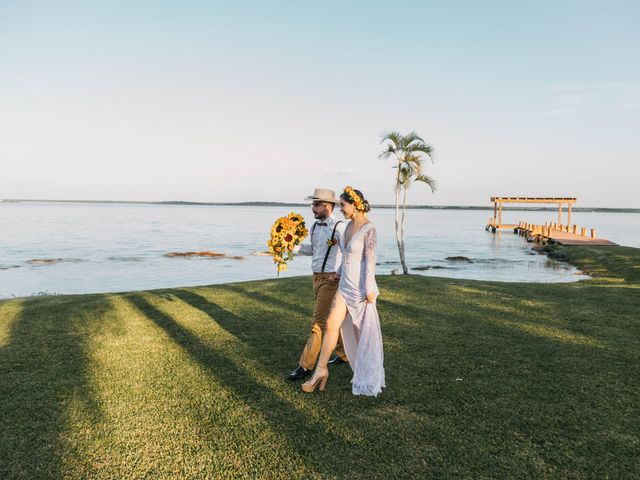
(510, 354)
(270, 339)
(292, 426)
(605, 314)
(45, 384)
(490, 322)
(428, 342)
(590, 314)
(293, 305)
(535, 389)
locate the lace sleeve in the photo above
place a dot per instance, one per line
(370, 245)
(344, 254)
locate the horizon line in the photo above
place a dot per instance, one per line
(259, 203)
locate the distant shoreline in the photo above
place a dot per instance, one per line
(303, 204)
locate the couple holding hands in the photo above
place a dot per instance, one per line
(345, 317)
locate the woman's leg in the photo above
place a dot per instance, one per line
(336, 316)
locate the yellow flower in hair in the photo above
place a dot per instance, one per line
(357, 201)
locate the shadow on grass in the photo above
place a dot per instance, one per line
(575, 313)
(591, 314)
(44, 370)
(302, 306)
(266, 342)
(287, 422)
(501, 317)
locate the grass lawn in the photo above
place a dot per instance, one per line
(485, 380)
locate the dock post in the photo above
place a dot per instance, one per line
(583, 232)
(560, 212)
(569, 213)
(593, 233)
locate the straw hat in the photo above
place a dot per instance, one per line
(323, 195)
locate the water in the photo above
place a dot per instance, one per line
(122, 247)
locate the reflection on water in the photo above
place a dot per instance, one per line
(79, 248)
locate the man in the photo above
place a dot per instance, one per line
(325, 234)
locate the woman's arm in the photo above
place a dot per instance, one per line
(370, 246)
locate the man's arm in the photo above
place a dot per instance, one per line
(304, 249)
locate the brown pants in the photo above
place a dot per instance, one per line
(324, 290)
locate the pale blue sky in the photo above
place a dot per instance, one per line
(267, 100)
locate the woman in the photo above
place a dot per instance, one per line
(354, 307)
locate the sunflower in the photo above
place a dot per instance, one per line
(286, 233)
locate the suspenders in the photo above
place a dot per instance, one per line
(326, 255)
(333, 234)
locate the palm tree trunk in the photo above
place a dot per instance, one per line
(398, 226)
(405, 270)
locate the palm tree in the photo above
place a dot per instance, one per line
(410, 153)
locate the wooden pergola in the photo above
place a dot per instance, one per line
(499, 201)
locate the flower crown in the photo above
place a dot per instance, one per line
(357, 201)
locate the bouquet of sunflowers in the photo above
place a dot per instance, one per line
(286, 233)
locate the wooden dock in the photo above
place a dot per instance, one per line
(565, 234)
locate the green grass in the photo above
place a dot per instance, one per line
(485, 380)
(607, 264)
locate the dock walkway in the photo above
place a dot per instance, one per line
(561, 234)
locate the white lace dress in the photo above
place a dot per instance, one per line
(361, 332)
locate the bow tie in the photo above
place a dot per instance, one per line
(322, 224)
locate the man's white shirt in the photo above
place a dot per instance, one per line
(317, 248)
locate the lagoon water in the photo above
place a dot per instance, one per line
(95, 247)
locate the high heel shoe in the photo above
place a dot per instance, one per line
(309, 387)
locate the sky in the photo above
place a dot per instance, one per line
(265, 101)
